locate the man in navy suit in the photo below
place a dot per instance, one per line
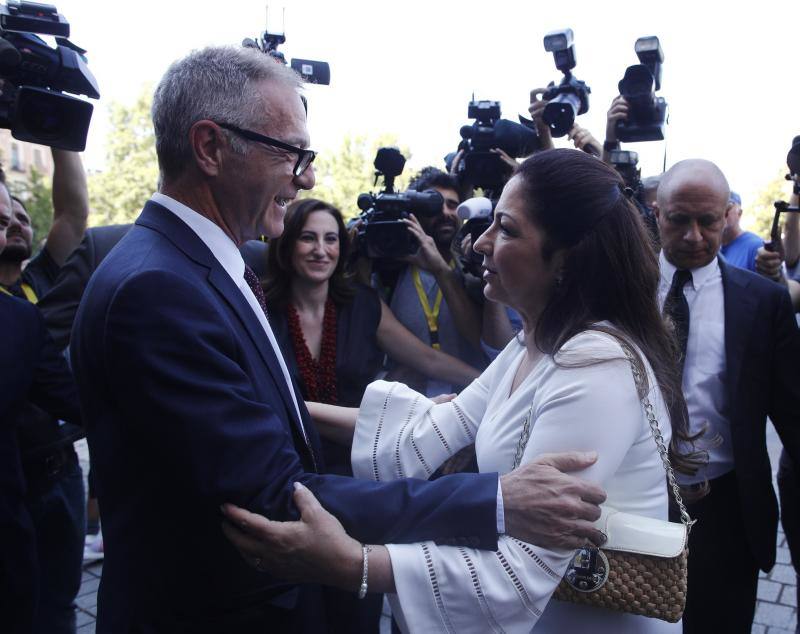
(31, 371)
(187, 399)
(740, 365)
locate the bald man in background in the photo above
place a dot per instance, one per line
(740, 365)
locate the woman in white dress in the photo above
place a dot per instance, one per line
(568, 251)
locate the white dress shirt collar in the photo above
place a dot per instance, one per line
(700, 275)
(227, 254)
(218, 242)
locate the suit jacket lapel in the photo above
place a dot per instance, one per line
(219, 279)
(181, 235)
(739, 314)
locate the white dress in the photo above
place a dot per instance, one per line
(400, 433)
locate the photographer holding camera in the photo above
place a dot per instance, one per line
(70, 214)
(429, 296)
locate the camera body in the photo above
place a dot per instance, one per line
(647, 114)
(627, 164)
(480, 166)
(382, 233)
(33, 103)
(570, 97)
(476, 215)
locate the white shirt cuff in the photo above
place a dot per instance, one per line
(501, 513)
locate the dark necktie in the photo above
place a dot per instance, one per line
(677, 308)
(252, 281)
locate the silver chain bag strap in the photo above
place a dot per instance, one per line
(647, 584)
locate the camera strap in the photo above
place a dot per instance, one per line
(30, 295)
(431, 315)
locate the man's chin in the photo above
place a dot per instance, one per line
(444, 237)
(15, 254)
(272, 230)
(690, 261)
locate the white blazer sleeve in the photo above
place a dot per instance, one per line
(455, 589)
(402, 434)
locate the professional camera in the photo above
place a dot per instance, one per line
(33, 103)
(627, 164)
(569, 98)
(477, 214)
(312, 71)
(382, 233)
(480, 167)
(647, 114)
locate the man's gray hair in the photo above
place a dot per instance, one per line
(214, 83)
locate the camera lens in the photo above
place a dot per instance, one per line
(560, 113)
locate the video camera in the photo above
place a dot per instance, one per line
(314, 72)
(480, 167)
(33, 103)
(477, 214)
(382, 233)
(569, 98)
(647, 114)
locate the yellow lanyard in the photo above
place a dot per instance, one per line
(431, 316)
(29, 294)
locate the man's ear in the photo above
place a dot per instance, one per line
(207, 141)
(728, 210)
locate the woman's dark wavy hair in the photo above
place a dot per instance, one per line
(278, 281)
(610, 272)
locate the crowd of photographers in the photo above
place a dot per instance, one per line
(397, 294)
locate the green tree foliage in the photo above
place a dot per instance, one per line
(116, 194)
(37, 194)
(758, 216)
(342, 176)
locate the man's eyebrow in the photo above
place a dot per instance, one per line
(299, 141)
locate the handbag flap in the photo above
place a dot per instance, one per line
(639, 534)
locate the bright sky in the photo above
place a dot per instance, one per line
(409, 68)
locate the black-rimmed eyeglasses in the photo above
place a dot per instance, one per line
(304, 157)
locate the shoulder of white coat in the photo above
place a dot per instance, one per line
(589, 347)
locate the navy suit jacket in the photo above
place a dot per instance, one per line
(762, 353)
(60, 303)
(31, 370)
(186, 408)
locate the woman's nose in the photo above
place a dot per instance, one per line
(483, 244)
